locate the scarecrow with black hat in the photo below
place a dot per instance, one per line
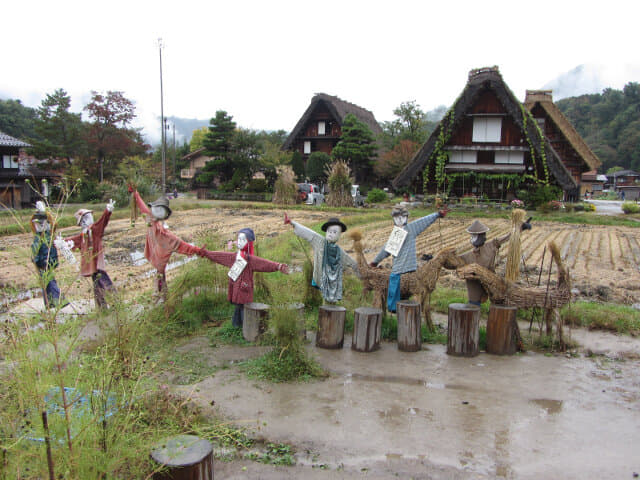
(402, 246)
(241, 265)
(89, 242)
(44, 253)
(161, 243)
(484, 254)
(329, 260)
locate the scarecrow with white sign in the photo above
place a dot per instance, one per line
(161, 243)
(89, 242)
(402, 247)
(241, 265)
(329, 260)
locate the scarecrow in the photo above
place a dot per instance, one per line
(329, 260)
(484, 254)
(161, 243)
(45, 254)
(241, 265)
(402, 246)
(89, 242)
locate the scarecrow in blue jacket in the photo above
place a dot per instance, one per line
(402, 246)
(44, 254)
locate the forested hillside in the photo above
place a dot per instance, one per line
(610, 124)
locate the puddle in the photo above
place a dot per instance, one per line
(551, 406)
(401, 380)
(137, 258)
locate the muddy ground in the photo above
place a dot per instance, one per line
(423, 415)
(603, 260)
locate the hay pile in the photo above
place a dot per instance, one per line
(514, 252)
(285, 190)
(339, 180)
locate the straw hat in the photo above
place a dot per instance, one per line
(477, 227)
(80, 213)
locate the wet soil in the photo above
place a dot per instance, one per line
(390, 414)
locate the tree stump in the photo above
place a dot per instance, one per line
(186, 457)
(463, 330)
(409, 326)
(254, 323)
(501, 330)
(302, 329)
(330, 326)
(367, 329)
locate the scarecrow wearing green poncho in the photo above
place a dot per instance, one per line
(329, 260)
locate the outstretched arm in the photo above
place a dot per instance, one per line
(259, 264)
(420, 225)
(141, 205)
(499, 241)
(222, 258)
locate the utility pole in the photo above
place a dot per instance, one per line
(174, 151)
(162, 125)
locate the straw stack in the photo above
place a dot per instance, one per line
(514, 253)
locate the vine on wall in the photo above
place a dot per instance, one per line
(526, 115)
(440, 155)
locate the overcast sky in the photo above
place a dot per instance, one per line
(262, 61)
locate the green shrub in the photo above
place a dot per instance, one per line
(376, 195)
(539, 194)
(257, 185)
(630, 207)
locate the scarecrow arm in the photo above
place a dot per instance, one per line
(98, 227)
(222, 258)
(304, 232)
(420, 225)
(141, 205)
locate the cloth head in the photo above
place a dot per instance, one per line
(161, 202)
(251, 237)
(399, 210)
(477, 227)
(80, 213)
(333, 221)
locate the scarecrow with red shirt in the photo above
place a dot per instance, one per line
(241, 265)
(89, 242)
(161, 243)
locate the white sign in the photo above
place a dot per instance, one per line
(396, 239)
(237, 267)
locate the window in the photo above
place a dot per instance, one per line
(464, 156)
(509, 157)
(9, 161)
(487, 129)
(321, 128)
(307, 147)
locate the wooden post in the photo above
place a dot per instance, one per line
(302, 329)
(186, 457)
(254, 323)
(463, 332)
(367, 329)
(501, 330)
(330, 326)
(409, 326)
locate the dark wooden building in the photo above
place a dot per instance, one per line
(575, 154)
(320, 127)
(487, 144)
(15, 191)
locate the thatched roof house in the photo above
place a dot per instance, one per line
(487, 143)
(319, 128)
(566, 141)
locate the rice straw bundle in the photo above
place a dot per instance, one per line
(514, 253)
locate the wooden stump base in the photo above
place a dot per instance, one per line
(186, 457)
(463, 330)
(409, 326)
(367, 329)
(330, 326)
(501, 330)
(254, 323)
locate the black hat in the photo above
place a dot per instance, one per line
(161, 202)
(334, 221)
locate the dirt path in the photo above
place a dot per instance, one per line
(390, 414)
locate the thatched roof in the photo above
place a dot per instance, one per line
(9, 141)
(544, 98)
(479, 81)
(339, 109)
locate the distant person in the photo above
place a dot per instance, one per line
(175, 193)
(622, 195)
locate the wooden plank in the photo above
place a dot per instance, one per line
(463, 330)
(330, 326)
(409, 326)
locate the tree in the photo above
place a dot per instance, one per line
(110, 135)
(218, 144)
(411, 124)
(17, 120)
(297, 165)
(613, 170)
(393, 161)
(356, 146)
(316, 166)
(197, 138)
(272, 159)
(59, 131)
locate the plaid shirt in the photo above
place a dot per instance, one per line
(406, 259)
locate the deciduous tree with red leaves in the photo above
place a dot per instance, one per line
(110, 136)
